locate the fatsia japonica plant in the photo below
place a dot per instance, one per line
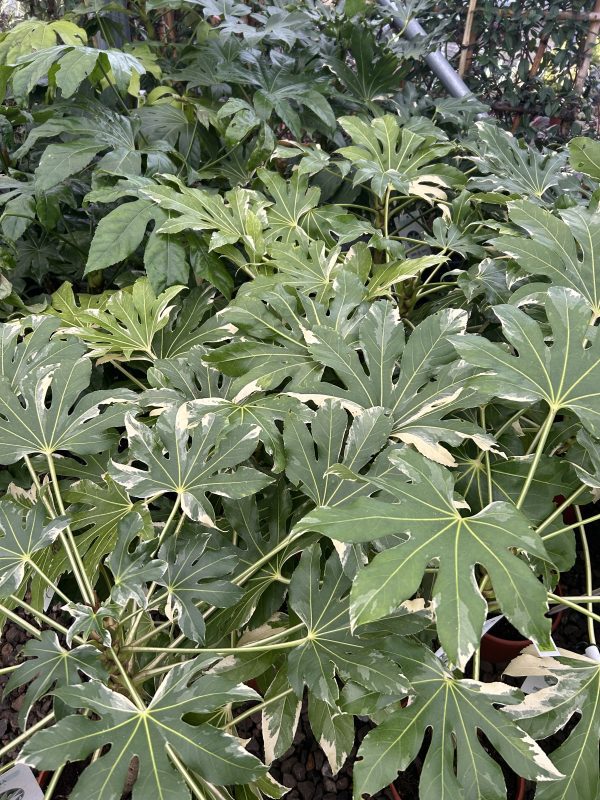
(300, 383)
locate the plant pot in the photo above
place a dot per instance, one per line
(497, 650)
(521, 789)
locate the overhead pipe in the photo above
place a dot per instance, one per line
(436, 60)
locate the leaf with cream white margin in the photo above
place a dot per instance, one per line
(426, 515)
(454, 709)
(280, 717)
(125, 326)
(565, 375)
(419, 382)
(133, 569)
(330, 649)
(149, 734)
(391, 155)
(47, 413)
(334, 731)
(24, 534)
(565, 249)
(49, 665)
(190, 378)
(189, 460)
(575, 693)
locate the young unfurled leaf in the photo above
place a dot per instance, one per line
(190, 461)
(196, 574)
(454, 710)
(330, 648)
(24, 534)
(132, 570)
(50, 666)
(148, 734)
(565, 375)
(46, 415)
(425, 514)
(89, 622)
(125, 326)
(575, 693)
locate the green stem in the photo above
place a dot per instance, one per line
(488, 466)
(26, 734)
(185, 774)
(541, 443)
(68, 542)
(244, 715)
(22, 623)
(50, 583)
(563, 601)
(570, 527)
(562, 507)
(128, 375)
(589, 588)
(53, 783)
(8, 670)
(224, 651)
(171, 517)
(52, 623)
(136, 699)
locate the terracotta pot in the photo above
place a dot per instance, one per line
(521, 789)
(42, 778)
(497, 650)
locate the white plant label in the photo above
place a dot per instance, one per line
(19, 783)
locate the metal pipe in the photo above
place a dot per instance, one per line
(437, 62)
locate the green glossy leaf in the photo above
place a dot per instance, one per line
(132, 569)
(118, 234)
(146, 734)
(565, 375)
(330, 649)
(189, 460)
(454, 710)
(50, 666)
(563, 249)
(425, 514)
(23, 534)
(196, 574)
(48, 414)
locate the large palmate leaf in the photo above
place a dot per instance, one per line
(240, 217)
(126, 325)
(23, 534)
(565, 375)
(191, 378)
(293, 200)
(374, 70)
(150, 735)
(389, 155)
(49, 666)
(311, 454)
(274, 330)
(510, 165)
(131, 568)
(322, 604)
(45, 415)
(426, 514)
(457, 765)
(96, 510)
(29, 344)
(563, 249)
(196, 574)
(575, 692)
(190, 461)
(419, 383)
